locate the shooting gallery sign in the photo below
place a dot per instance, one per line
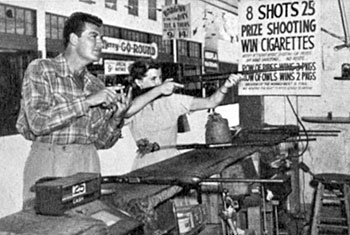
(176, 21)
(280, 41)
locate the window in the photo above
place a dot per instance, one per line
(47, 26)
(2, 19)
(134, 35)
(60, 25)
(168, 2)
(54, 26)
(111, 31)
(12, 69)
(182, 47)
(125, 34)
(30, 23)
(111, 4)
(20, 21)
(195, 50)
(144, 37)
(10, 19)
(168, 46)
(164, 46)
(152, 9)
(133, 7)
(17, 20)
(157, 40)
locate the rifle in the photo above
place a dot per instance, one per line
(224, 76)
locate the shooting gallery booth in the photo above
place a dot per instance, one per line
(267, 174)
(178, 195)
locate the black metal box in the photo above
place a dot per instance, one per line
(56, 196)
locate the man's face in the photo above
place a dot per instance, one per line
(90, 43)
(153, 78)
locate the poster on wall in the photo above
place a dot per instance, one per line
(176, 21)
(117, 67)
(280, 51)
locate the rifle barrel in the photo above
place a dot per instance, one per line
(224, 76)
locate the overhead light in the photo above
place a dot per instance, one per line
(128, 6)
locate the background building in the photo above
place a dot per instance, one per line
(31, 29)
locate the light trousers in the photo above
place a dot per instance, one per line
(50, 160)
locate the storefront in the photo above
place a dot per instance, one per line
(118, 55)
(18, 46)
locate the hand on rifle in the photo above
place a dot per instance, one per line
(233, 80)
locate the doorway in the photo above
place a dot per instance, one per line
(12, 67)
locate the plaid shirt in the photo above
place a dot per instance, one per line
(53, 108)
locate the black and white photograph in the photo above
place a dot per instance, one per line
(174, 117)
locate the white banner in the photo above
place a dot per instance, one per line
(118, 67)
(125, 47)
(176, 21)
(280, 35)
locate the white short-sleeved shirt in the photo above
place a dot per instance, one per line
(157, 122)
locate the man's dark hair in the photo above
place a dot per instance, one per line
(138, 70)
(76, 24)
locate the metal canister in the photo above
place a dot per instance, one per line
(184, 224)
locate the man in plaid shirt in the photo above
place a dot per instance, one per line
(66, 111)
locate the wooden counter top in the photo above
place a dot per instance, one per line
(136, 198)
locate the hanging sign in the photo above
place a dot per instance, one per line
(176, 21)
(281, 41)
(211, 63)
(132, 48)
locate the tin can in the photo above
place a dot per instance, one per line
(184, 224)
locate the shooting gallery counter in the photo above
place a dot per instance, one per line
(144, 202)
